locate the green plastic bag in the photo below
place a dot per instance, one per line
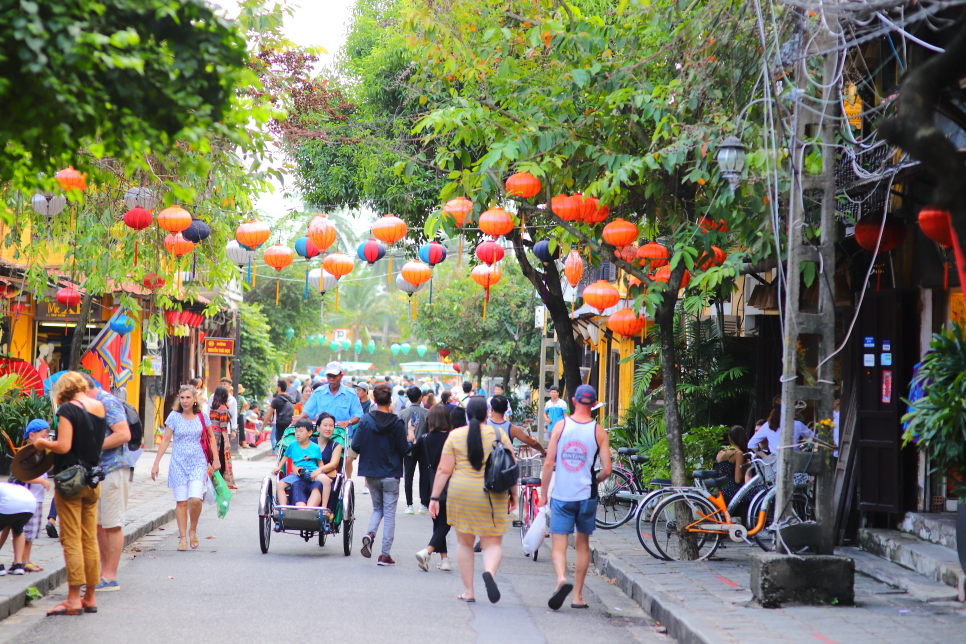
(222, 494)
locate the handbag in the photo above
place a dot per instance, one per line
(71, 481)
(205, 443)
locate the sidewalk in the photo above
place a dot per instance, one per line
(710, 602)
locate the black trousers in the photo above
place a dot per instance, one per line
(409, 463)
(440, 529)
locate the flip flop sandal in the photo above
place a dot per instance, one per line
(32, 567)
(63, 609)
(580, 605)
(182, 544)
(557, 599)
(492, 592)
(90, 609)
(464, 599)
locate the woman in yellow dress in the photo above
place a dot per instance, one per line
(473, 511)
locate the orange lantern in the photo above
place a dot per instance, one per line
(71, 179)
(416, 273)
(252, 234)
(177, 245)
(389, 229)
(599, 215)
(496, 222)
(278, 257)
(663, 274)
(716, 259)
(654, 254)
(486, 276)
(565, 207)
(620, 233)
(601, 295)
(628, 253)
(338, 265)
(321, 233)
(586, 206)
(573, 268)
(633, 281)
(626, 322)
(174, 219)
(459, 208)
(523, 184)
(707, 225)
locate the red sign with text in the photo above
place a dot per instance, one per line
(219, 347)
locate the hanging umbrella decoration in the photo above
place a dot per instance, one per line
(339, 265)
(28, 379)
(415, 273)
(389, 229)
(305, 249)
(486, 276)
(278, 257)
(433, 254)
(251, 235)
(371, 251)
(459, 209)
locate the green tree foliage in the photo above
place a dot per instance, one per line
(260, 362)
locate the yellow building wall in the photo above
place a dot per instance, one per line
(626, 376)
(602, 356)
(22, 336)
(14, 252)
(133, 386)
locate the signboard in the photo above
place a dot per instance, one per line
(51, 311)
(340, 334)
(219, 347)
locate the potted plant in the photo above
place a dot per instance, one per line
(936, 422)
(16, 410)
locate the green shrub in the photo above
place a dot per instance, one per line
(17, 410)
(701, 445)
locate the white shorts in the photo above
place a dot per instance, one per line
(193, 490)
(113, 503)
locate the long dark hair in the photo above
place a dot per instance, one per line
(219, 398)
(475, 414)
(439, 419)
(739, 438)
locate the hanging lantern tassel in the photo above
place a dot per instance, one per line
(414, 307)
(306, 285)
(946, 275)
(485, 300)
(249, 272)
(254, 274)
(459, 254)
(336, 300)
(194, 265)
(135, 251)
(430, 291)
(278, 287)
(389, 277)
(178, 271)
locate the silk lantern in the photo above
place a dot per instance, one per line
(345, 345)
(278, 257)
(140, 197)
(289, 334)
(565, 207)
(197, 232)
(253, 234)
(573, 268)
(416, 273)
(432, 253)
(322, 233)
(71, 179)
(654, 255)
(371, 347)
(335, 345)
(663, 274)
(936, 224)
(138, 219)
(443, 353)
(68, 297)
(358, 346)
(620, 233)
(389, 229)
(541, 251)
(716, 258)
(152, 282)
(586, 207)
(496, 222)
(459, 208)
(394, 347)
(489, 252)
(174, 219)
(404, 348)
(486, 276)
(626, 322)
(122, 324)
(867, 232)
(601, 295)
(371, 251)
(523, 184)
(322, 281)
(48, 205)
(305, 249)
(421, 350)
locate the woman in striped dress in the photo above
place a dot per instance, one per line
(473, 511)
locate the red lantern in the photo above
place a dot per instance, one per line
(371, 251)
(496, 222)
(565, 207)
(573, 268)
(707, 225)
(601, 295)
(626, 322)
(174, 219)
(416, 273)
(443, 353)
(599, 215)
(322, 233)
(389, 228)
(936, 224)
(489, 252)
(459, 208)
(138, 218)
(628, 253)
(173, 318)
(177, 245)
(152, 282)
(716, 259)
(620, 233)
(663, 274)
(185, 318)
(523, 184)
(338, 265)
(456, 367)
(654, 254)
(71, 179)
(486, 276)
(867, 233)
(254, 233)
(68, 297)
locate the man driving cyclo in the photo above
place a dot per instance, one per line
(312, 467)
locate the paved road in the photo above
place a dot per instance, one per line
(229, 591)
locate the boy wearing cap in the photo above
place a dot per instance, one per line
(575, 444)
(37, 428)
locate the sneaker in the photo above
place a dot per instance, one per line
(17, 569)
(423, 509)
(444, 565)
(422, 559)
(409, 509)
(367, 539)
(385, 560)
(107, 586)
(365, 490)
(3, 570)
(52, 530)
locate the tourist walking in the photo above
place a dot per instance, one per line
(472, 510)
(414, 416)
(188, 470)
(556, 408)
(81, 428)
(428, 450)
(282, 408)
(380, 442)
(362, 393)
(499, 407)
(575, 444)
(221, 425)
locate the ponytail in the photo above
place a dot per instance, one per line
(475, 413)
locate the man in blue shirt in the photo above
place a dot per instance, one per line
(334, 398)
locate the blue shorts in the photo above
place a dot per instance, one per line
(567, 515)
(290, 479)
(302, 490)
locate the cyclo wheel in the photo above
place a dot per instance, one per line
(348, 518)
(645, 514)
(321, 537)
(266, 517)
(667, 533)
(613, 512)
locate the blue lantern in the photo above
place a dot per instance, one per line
(122, 324)
(305, 248)
(371, 347)
(358, 346)
(542, 250)
(371, 251)
(432, 253)
(197, 232)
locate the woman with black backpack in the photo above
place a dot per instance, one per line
(472, 510)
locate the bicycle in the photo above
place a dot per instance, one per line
(620, 496)
(528, 496)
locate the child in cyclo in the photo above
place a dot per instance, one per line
(306, 460)
(318, 490)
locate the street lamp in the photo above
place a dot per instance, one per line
(731, 160)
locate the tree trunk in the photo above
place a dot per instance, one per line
(77, 346)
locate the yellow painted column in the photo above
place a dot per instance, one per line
(134, 384)
(602, 355)
(22, 336)
(626, 376)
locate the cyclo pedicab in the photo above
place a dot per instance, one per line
(306, 521)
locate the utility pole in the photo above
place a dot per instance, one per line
(236, 380)
(815, 123)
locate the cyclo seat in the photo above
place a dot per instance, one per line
(704, 475)
(530, 480)
(640, 460)
(627, 451)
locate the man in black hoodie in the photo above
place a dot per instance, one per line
(380, 441)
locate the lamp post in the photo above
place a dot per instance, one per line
(731, 160)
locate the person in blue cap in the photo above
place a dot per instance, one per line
(36, 428)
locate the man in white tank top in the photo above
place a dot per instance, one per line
(575, 443)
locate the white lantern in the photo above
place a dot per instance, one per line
(731, 160)
(47, 204)
(140, 196)
(406, 287)
(237, 254)
(329, 280)
(474, 367)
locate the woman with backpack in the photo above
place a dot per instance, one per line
(472, 510)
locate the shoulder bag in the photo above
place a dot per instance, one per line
(70, 481)
(205, 443)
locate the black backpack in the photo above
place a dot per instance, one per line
(137, 429)
(501, 471)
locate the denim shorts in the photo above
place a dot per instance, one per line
(301, 490)
(567, 515)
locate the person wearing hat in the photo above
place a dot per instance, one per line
(31, 470)
(362, 393)
(335, 398)
(575, 444)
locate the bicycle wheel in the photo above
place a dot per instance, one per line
(645, 514)
(766, 538)
(612, 511)
(668, 528)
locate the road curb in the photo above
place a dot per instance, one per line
(13, 596)
(684, 625)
